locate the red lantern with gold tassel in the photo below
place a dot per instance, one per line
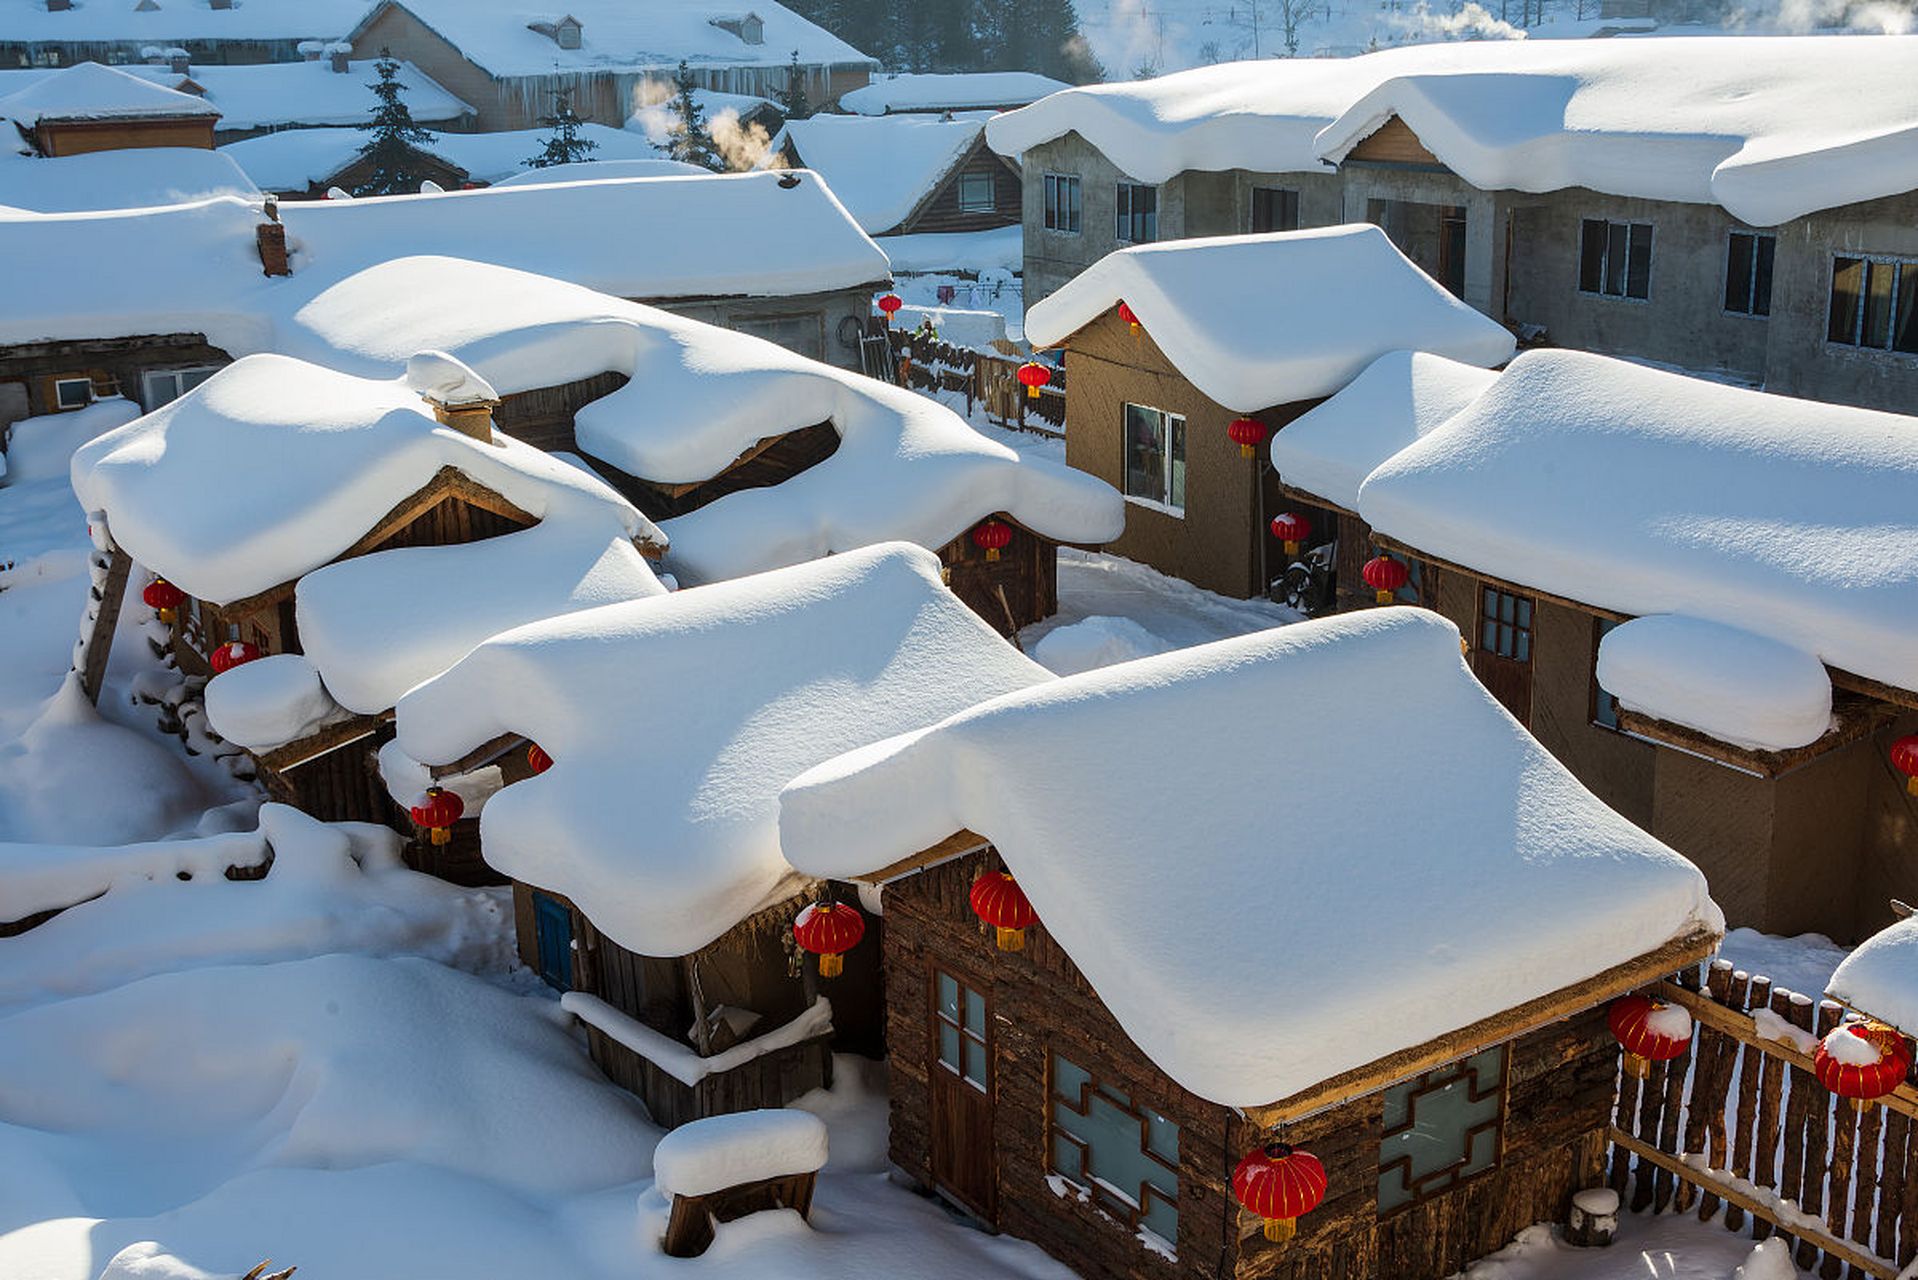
(1281, 1184)
(1033, 375)
(998, 900)
(536, 758)
(162, 597)
(1248, 434)
(1904, 758)
(1292, 529)
(1128, 315)
(889, 304)
(436, 810)
(233, 653)
(991, 536)
(829, 930)
(1650, 1031)
(1385, 576)
(1862, 1061)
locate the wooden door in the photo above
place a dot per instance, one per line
(553, 933)
(961, 1077)
(1503, 656)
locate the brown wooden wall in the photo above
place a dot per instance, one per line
(114, 365)
(941, 211)
(1393, 143)
(543, 417)
(79, 137)
(1026, 575)
(776, 462)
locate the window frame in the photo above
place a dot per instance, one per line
(1901, 268)
(1491, 612)
(147, 377)
(1444, 1181)
(1624, 293)
(1127, 220)
(1751, 311)
(992, 192)
(968, 1040)
(1599, 694)
(1053, 212)
(60, 404)
(1167, 419)
(1109, 1202)
(1288, 203)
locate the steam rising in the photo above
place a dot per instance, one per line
(742, 147)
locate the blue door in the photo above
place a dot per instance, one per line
(553, 929)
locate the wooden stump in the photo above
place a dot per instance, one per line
(689, 1230)
(1594, 1219)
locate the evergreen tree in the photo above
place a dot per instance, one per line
(792, 98)
(563, 145)
(393, 148)
(691, 141)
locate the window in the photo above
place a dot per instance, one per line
(72, 393)
(1874, 303)
(1138, 213)
(1062, 203)
(961, 1016)
(1125, 1156)
(1274, 209)
(1615, 259)
(1604, 705)
(1505, 624)
(1441, 1129)
(1748, 263)
(977, 193)
(1155, 458)
(164, 385)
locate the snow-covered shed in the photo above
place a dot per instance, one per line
(325, 542)
(1183, 357)
(909, 174)
(936, 92)
(1393, 952)
(90, 107)
(128, 178)
(646, 860)
(1701, 596)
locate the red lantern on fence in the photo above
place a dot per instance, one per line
(233, 653)
(1033, 375)
(1281, 1184)
(1650, 1031)
(1292, 529)
(162, 597)
(436, 810)
(829, 930)
(1128, 315)
(537, 759)
(1385, 576)
(998, 900)
(1863, 1061)
(991, 536)
(1247, 433)
(1904, 758)
(889, 304)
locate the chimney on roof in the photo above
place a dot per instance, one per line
(310, 50)
(749, 27)
(178, 62)
(336, 57)
(59, 6)
(563, 32)
(271, 237)
(459, 397)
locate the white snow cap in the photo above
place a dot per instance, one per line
(1738, 687)
(1330, 449)
(956, 91)
(1648, 492)
(1136, 806)
(90, 91)
(441, 377)
(880, 167)
(745, 1146)
(1770, 129)
(123, 178)
(1256, 321)
(1880, 978)
(673, 723)
(269, 702)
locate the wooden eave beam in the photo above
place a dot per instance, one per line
(484, 754)
(1857, 717)
(765, 443)
(953, 846)
(1297, 494)
(314, 745)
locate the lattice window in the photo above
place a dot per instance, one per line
(1505, 624)
(1441, 1129)
(1125, 1156)
(961, 1014)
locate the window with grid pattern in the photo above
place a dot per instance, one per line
(1138, 207)
(1062, 205)
(1125, 1156)
(1505, 624)
(1615, 259)
(977, 193)
(961, 1014)
(1441, 1129)
(1274, 209)
(1748, 269)
(1874, 303)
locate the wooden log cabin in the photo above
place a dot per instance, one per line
(1629, 554)
(323, 542)
(1285, 956)
(90, 107)
(647, 879)
(908, 174)
(1220, 343)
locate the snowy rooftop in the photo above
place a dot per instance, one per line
(89, 91)
(881, 168)
(1647, 492)
(293, 159)
(128, 178)
(1513, 882)
(600, 170)
(273, 467)
(964, 91)
(1770, 129)
(1256, 321)
(688, 713)
(1881, 977)
(172, 23)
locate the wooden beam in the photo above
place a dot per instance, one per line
(1856, 717)
(765, 443)
(484, 754)
(953, 846)
(106, 620)
(1296, 494)
(1486, 1032)
(314, 745)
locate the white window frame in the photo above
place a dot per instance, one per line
(1168, 420)
(1051, 187)
(150, 376)
(60, 404)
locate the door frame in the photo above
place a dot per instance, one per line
(939, 1078)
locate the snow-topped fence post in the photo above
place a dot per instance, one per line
(725, 1167)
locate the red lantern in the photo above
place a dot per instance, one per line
(537, 759)
(990, 536)
(1650, 1030)
(232, 654)
(829, 930)
(162, 597)
(1904, 758)
(1034, 375)
(1385, 576)
(1292, 529)
(1128, 315)
(437, 809)
(998, 900)
(889, 304)
(1863, 1061)
(1280, 1184)
(1247, 433)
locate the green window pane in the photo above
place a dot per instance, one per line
(975, 1012)
(1065, 1156)
(1162, 1220)
(976, 1063)
(1161, 1137)
(1440, 1128)
(948, 998)
(1068, 1079)
(949, 1046)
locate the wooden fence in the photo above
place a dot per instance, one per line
(1740, 1125)
(984, 379)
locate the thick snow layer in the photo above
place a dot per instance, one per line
(129, 178)
(693, 709)
(1330, 449)
(1000, 249)
(1770, 129)
(1257, 321)
(1880, 978)
(292, 160)
(170, 24)
(489, 157)
(273, 467)
(41, 447)
(1647, 492)
(962, 91)
(725, 1151)
(679, 1060)
(881, 168)
(90, 91)
(1513, 882)
(1095, 642)
(44, 877)
(599, 170)
(269, 702)
(1735, 685)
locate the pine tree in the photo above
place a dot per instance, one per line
(792, 99)
(691, 141)
(563, 145)
(393, 148)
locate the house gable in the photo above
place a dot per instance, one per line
(1393, 144)
(939, 209)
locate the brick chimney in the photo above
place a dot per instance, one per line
(336, 58)
(474, 418)
(178, 62)
(271, 237)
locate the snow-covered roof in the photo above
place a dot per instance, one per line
(1512, 883)
(962, 91)
(600, 170)
(273, 467)
(293, 159)
(1881, 977)
(616, 36)
(1256, 321)
(1646, 492)
(1331, 448)
(880, 167)
(1770, 129)
(673, 723)
(89, 91)
(126, 178)
(171, 24)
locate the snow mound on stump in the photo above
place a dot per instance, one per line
(748, 1146)
(1095, 642)
(1880, 978)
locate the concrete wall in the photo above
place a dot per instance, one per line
(808, 323)
(1363, 184)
